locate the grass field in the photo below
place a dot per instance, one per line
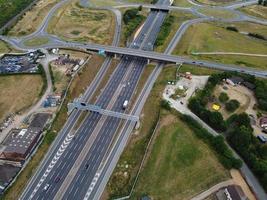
(255, 10)
(215, 2)
(182, 3)
(5, 48)
(179, 18)
(209, 37)
(103, 3)
(180, 165)
(74, 23)
(217, 13)
(119, 185)
(77, 87)
(35, 16)
(36, 41)
(22, 89)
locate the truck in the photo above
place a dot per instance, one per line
(125, 104)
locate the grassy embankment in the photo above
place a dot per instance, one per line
(36, 41)
(210, 37)
(22, 89)
(169, 28)
(180, 165)
(132, 21)
(5, 48)
(119, 184)
(35, 16)
(74, 23)
(255, 10)
(9, 9)
(81, 81)
(215, 2)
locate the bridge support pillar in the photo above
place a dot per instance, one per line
(137, 125)
(115, 56)
(148, 61)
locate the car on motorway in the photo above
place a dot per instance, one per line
(86, 166)
(57, 179)
(46, 187)
(83, 104)
(125, 104)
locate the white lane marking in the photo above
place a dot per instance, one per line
(60, 151)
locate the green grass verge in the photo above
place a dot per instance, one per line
(210, 37)
(180, 165)
(37, 41)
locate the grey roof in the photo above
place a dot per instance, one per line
(236, 79)
(40, 120)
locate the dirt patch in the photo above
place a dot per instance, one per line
(240, 93)
(239, 180)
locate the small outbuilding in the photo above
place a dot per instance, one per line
(249, 85)
(235, 80)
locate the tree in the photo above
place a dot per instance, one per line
(223, 97)
(260, 2)
(232, 105)
(165, 104)
(265, 3)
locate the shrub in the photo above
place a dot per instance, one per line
(165, 104)
(223, 97)
(232, 28)
(232, 105)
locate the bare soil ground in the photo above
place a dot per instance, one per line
(239, 180)
(18, 92)
(240, 93)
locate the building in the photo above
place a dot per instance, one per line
(249, 85)
(263, 122)
(20, 143)
(235, 80)
(232, 192)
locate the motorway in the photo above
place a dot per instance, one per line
(84, 158)
(93, 138)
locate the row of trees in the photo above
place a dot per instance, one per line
(240, 137)
(132, 19)
(262, 2)
(238, 128)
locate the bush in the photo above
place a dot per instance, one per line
(165, 104)
(223, 97)
(232, 105)
(165, 30)
(232, 28)
(256, 35)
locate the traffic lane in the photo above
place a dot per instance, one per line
(109, 130)
(69, 155)
(51, 154)
(94, 160)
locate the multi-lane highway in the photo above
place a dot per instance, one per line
(80, 161)
(77, 163)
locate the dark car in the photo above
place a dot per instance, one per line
(57, 179)
(86, 166)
